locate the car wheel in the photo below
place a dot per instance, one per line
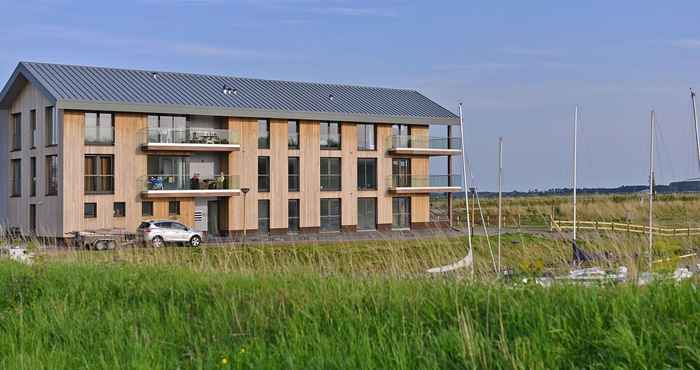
(157, 242)
(100, 245)
(195, 241)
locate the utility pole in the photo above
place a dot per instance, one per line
(651, 187)
(466, 185)
(695, 122)
(500, 184)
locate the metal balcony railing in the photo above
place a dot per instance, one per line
(432, 181)
(156, 182)
(423, 142)
(202, 136)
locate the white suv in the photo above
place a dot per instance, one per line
(157, 233)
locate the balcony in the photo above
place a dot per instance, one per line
(423, 145)
(164, 186)
(189, 139)
(410, 184)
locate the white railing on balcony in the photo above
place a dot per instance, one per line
(423, 142)
(432, 181)
(156, 182)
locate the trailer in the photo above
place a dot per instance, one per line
(103, 239)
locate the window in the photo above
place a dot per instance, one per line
(293, 215)
(174, 208)
(401, 136)
(51, 174)
(330, 135)
(293, 173)
(366, 213)
(401, 172)
(401, 212)
(293, 134)
(366, 137)
(330, 214)
(263, 174)
(32, 124)
(119, 209)
(99, 129)
(32, 170)
(168, 129)
(99, 174)
(263, 215)
(146, 209)
(16, 177)
(51, 127)
(16, 131)
(263, 134)
(367, 173)
(32, 218)
(90, 210)
(330, 174)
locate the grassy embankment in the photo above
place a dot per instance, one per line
(108, 316)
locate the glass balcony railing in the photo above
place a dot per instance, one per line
(423, 142)
(203, 136)
(432, 181)
(157, 182)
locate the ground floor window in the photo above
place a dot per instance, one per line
(401, 212)
(330, 214)
(174, 208)
(367, 213)
(146, 209)
(90, 210)
(119, 209)
(293, 215)
(263, 215)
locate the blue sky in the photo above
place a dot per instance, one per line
(519, 67)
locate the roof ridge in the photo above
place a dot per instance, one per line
(223, 76)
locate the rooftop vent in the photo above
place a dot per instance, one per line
(229, 91)
(331, 97)
(154, 75)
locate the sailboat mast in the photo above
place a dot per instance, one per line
(574, 174)
(466, 184)
(500, 184)
(695, 122)
(651, 186)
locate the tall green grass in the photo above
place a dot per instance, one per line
(120, 316)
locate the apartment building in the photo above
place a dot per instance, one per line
(89, 147)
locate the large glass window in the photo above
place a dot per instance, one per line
(32, 124)
(401, 136)
(16, 190)
(367, 173)
(51, 174)
(293, 134)
(330, 174)
(401, 172)
(366, 137)
(167, 172)
(263, 215)
(330, 135)
(293, 215)
(366, 213)
(168, 129)
(99, 129)
(16, 131)
(263, 134)
(99, 174)
(32, 171)
(330, 214)
(401, 212)
(263, 174)
(293, 170)
(51, 127)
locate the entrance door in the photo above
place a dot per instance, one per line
(401, 171)
(401, 212)
(366, 213)
(213, 217)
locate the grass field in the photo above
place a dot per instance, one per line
(366, 304)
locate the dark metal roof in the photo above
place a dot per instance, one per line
(81, 87)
